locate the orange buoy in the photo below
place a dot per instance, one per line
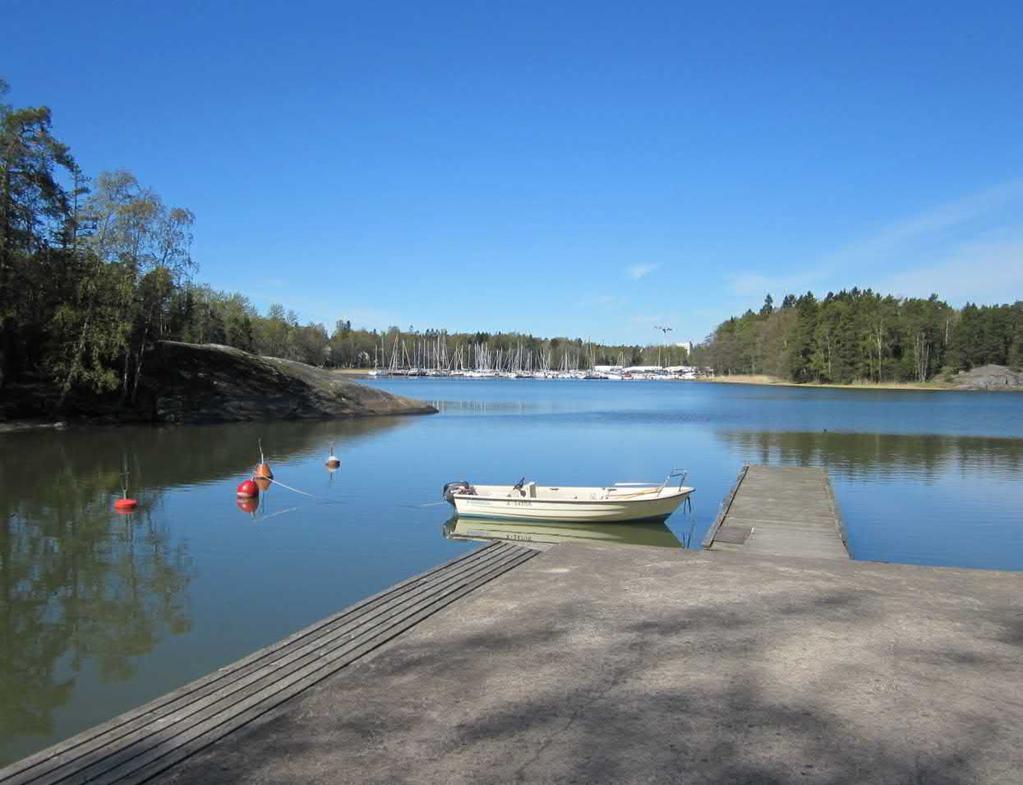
(262, 483)
(263, 472)
(124, 504)
(247, 489)
(248, 504)
(263, 468)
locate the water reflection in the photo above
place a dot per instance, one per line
(485, 407)
(86, 592)
(79, 584)
(489, 529)
(861, 455)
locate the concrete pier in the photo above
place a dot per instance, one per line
(605, 664)
(780, 511)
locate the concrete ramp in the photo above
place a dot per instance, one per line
(780, 511)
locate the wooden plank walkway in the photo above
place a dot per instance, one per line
(780, 511)
(142, 743)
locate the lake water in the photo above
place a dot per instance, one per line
(100, 612)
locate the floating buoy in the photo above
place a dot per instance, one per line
(333, 462)
(247, 504)
(263, 468)
(248, 489)
(263, 483)
(124, 504)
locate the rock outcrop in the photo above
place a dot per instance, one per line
(193, 383)
(989, 377)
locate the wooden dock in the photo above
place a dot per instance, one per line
(142, 743)
(780, 511)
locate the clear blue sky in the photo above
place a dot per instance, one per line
(586, 169)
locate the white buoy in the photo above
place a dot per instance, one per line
(333, 462)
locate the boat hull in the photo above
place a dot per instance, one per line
(596, 511)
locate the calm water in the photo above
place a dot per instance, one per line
(100, 612)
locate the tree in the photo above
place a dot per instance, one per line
(801, 343)
(131, 227)
(35, 209)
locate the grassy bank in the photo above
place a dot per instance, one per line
(762, 379)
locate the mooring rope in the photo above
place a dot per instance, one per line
(275, 481)
(275, 514)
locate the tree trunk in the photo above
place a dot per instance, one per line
(138, 365)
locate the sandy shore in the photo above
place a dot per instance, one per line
(932, 386)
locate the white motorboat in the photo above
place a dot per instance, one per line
(524, 500)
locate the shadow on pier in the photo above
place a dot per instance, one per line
(611, 665)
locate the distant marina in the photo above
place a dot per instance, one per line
(432, 357)
(614, 373)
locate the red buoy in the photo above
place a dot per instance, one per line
(248, 489)
(125, 505)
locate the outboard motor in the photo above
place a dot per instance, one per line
(460, 486)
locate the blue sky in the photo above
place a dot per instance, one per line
(586, 169)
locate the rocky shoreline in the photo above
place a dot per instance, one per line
(989, 377)
(208, 383)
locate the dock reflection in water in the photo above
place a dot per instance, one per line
(653, 533)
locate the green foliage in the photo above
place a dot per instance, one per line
(88, 332)
(86, 284)
(858, 335)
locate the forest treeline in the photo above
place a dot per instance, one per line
(230, 319)
(93, 271)
(860, 335)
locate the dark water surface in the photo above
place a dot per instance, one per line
(100, 612)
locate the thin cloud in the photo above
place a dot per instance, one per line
(637, 271)
(948, 232)
(986, 272)
(925, 227)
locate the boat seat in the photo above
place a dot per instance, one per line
(530, 489)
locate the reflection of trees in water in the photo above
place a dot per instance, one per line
(858, 454)
(78, 584)
(81, 586)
